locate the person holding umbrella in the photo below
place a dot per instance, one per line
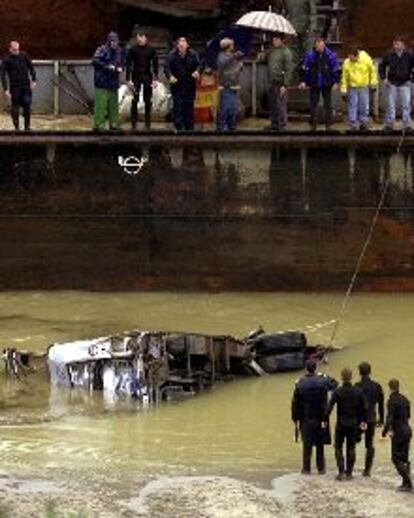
(229, 67)
(279, 60)
(280, 70)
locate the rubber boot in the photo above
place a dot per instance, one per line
(407, 477)
(404, 469)
(27, 121)
(134, 114)
(148, 111)
(15, 118)
(369, 460)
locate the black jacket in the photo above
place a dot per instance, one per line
(310, 398)
(398, 415)
(182, 68)
(374, 396)
(142, 61)
(350, 405)
(16, 71)
(398, 69)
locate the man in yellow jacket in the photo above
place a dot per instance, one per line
(359, 75)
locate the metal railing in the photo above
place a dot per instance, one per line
(66, 87)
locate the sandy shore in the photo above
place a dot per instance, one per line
(290, 496)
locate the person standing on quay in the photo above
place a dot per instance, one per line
(182, 71)
(141, 70)
(398, 427)
(279, 74)
(108, 64)
(18, 78)
(229, 67)
(320, 72)
(397, 71)
(359, 76)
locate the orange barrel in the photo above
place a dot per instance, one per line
(205, 106)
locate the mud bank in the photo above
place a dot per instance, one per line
(22, 497)
(290, 496)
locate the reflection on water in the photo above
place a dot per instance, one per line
(241, 428)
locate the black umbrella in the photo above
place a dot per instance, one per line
(241, 36)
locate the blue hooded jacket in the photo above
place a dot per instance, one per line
(104, 57)
(320, 69)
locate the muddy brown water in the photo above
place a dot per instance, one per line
(240, 429)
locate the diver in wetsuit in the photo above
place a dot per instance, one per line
(398, 427)
(142, 70)
(374, 398)
(351, 417)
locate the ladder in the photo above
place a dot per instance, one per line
(327, 14)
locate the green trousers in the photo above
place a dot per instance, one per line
(106, 108)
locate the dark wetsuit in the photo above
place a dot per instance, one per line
(398, 416)
(309, 404)
(142, 69)
(16, 71)
(351, 412)
(374, 397)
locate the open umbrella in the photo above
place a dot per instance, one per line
(266, 21)
(241, 36)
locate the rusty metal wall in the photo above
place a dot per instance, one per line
(200, 215)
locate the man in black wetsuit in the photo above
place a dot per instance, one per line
(142, 70)
(398, 427)
(351, 416)
(374, 397)
(309, 404)
(18, 78)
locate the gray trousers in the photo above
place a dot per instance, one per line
(277, 108)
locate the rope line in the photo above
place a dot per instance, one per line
(361, 257)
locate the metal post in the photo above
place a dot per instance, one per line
(254, 88)
(56, 92)
(188, 352)
(213, 360)
(377, 97)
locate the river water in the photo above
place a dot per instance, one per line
(241, 429)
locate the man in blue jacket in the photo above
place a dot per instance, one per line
(108, 64)
(320, 72)
(182, 71)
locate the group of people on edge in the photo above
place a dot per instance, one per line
(319, 71)
(314, 399)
